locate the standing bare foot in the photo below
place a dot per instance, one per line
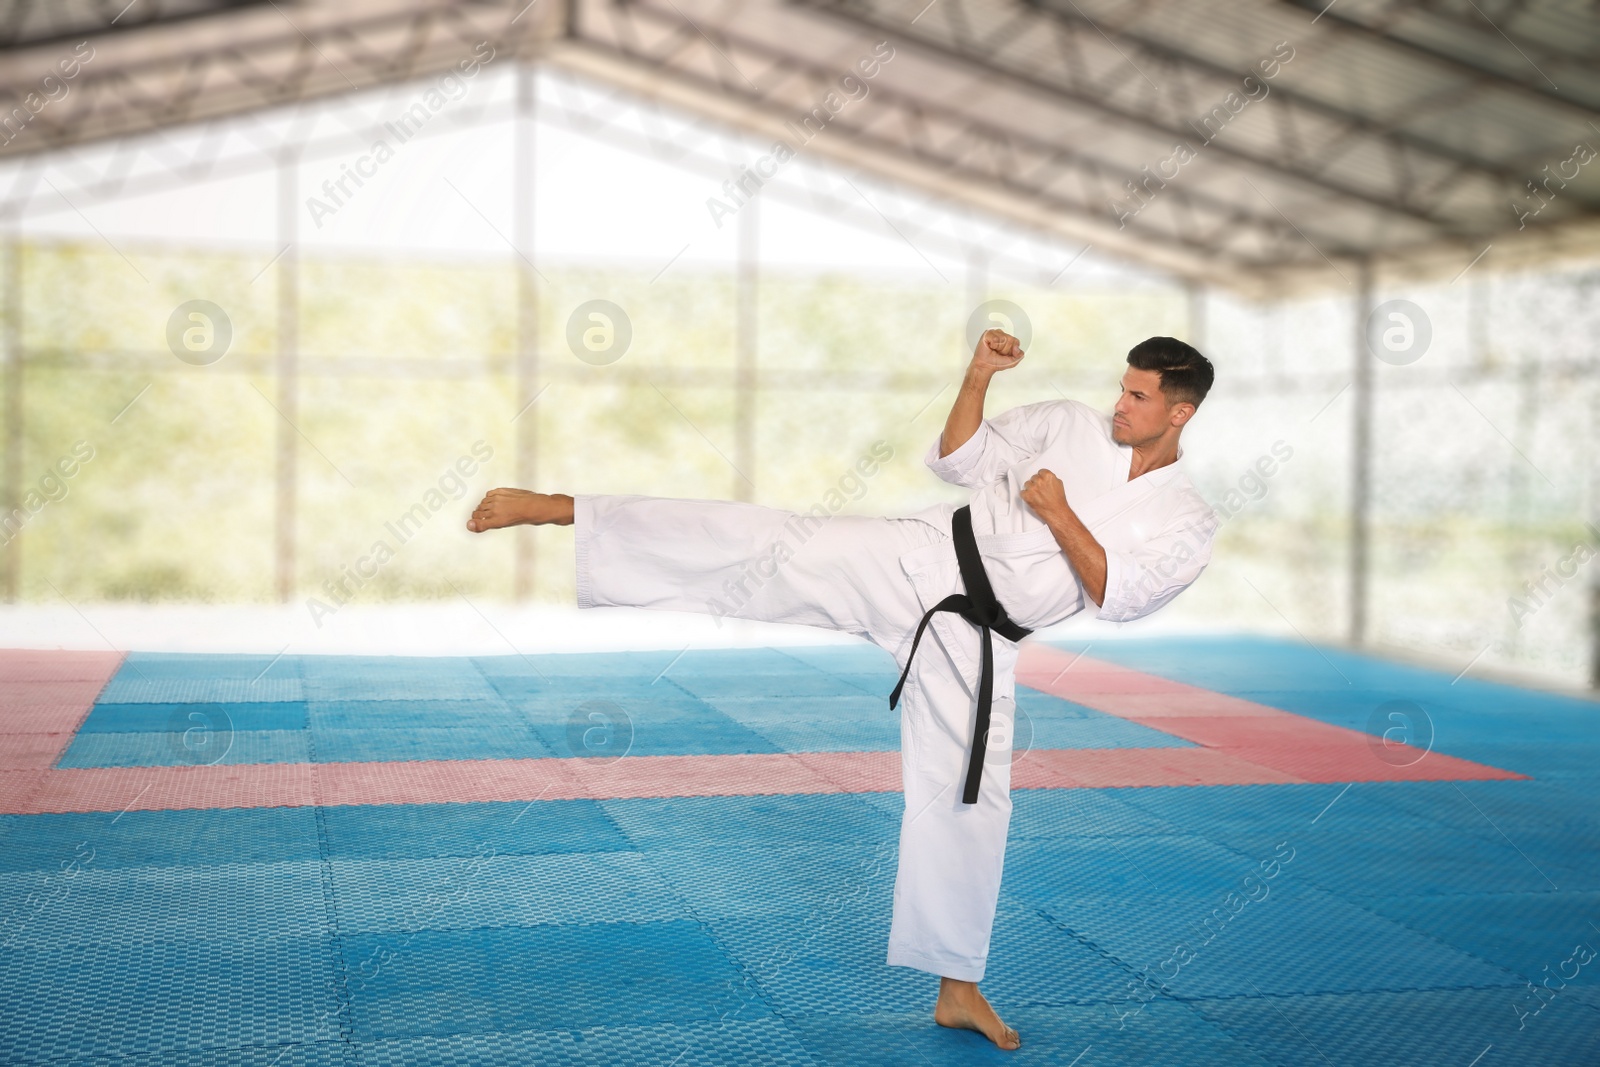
(962, 1007)
(518, 507)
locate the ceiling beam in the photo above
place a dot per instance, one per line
(1355, 125)
(969, 53)
(108, 17)
(909, 154)
(1535, 88)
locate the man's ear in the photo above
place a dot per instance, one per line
(1181, 413)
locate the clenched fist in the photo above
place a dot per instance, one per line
(997, 350)
(1045, 494)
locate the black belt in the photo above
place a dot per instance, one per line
(979, 607)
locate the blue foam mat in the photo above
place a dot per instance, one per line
(506, 978)
(145, 997)
(1462, 1026)
(752, 929)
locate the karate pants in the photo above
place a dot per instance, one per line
(872, 577)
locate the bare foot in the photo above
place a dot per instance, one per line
(519, 507)
(962, 1007)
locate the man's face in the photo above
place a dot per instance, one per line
(1141, 413)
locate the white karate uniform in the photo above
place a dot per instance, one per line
(875, 577)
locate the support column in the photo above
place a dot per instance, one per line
(1197, 315)
(1594, 632)
(1478, 321)
(1275, 366)
(977, 288)
(1591, 508)
(11, 502)
(526, 426)
(745, 348)
(288, 374)
(1360, 457)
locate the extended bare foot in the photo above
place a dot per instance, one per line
(519, 507)
(962, 1007)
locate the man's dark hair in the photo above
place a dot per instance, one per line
(1186, 375)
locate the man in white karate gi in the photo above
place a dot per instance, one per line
(1069, 507)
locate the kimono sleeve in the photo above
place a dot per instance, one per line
(1139, 582)
(999, 444)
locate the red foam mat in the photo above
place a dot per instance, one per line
(1153, 707)
(17, 788)
(1363, 762)
(856, 772)
(448, 781)
(44, 698)
(53, 665)
(255, 785)
(1108, 768)
(79, 692)
(671, 776)
(20, 751)
(1254, 731)
(1239, 743)
(468, 781)
(1301, 748)
(1080, 675)
(41, 719)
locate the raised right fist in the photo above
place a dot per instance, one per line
(997, 350)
